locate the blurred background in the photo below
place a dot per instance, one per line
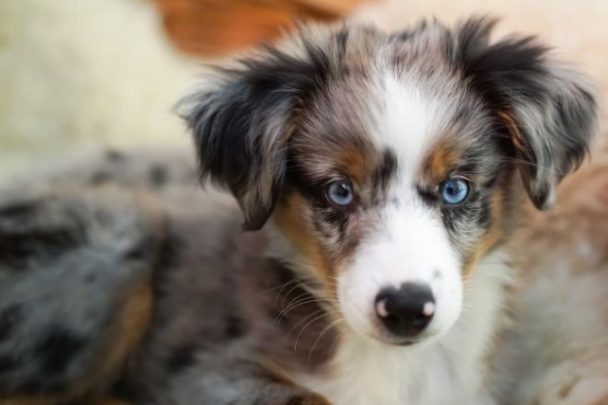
(79, 75)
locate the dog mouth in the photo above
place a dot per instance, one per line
(391, 340)
(383, 337)
(404, 342)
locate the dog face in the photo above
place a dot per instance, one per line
(388, 161)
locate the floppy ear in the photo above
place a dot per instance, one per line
(547, 110)
(241, 126)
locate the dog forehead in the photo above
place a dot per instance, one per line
(357, 124)
(386, 102)
(400, 116)
(408, 119)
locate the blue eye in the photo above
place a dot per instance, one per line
(340, 193)
(454, 191)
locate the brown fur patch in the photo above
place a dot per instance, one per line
(492, 236)
(290, 217)
(517, 140)
(131, 326)
(513, 129)
(441, 158)
(357, 162)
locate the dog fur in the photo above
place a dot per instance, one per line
(396, 113)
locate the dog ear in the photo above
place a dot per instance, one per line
(242, 126)
(547, 110)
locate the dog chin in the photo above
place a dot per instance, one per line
(378, 336)
(418, 341)
(393, 341)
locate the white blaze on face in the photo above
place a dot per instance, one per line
(410, 242)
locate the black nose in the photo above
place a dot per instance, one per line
(406, 311)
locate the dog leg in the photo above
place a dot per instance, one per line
(220, 379)
(75, 291)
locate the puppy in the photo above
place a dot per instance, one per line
(382, 173)
(389, 165)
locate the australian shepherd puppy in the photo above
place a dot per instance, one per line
(382, 173)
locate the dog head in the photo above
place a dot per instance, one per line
(390, 161)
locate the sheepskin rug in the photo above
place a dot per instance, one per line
(77, 75)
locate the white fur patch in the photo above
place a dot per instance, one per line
(410, 243)
(446, 370)
(407, 119)
(411, 246)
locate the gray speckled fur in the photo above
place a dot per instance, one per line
(69, 259)
(215, 309)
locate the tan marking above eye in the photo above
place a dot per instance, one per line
(357, 163)
(441, 159)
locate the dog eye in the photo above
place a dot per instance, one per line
(454, 191)
(340, 192)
